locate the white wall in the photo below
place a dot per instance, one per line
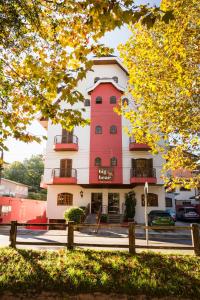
(17, 189)
(57, 212)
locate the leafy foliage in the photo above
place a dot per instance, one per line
(163, 63)
(28, 172)
(81, 271)
(45, 48)
(74, 214)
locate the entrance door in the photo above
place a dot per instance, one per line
(67, 136)
(113, 203)
(65, 167)
(96, 202)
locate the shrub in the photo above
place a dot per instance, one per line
(74, 214)
(104, 219)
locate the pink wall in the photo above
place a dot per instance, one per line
(105, 145)
(23, 210)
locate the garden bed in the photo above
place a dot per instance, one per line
(86, 271)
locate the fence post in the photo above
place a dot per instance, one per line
(131, 236)
(13, 234)
(70, 237)
(196, 239)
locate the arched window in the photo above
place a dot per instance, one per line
(65, 199)
(99, 100)
(113, 161)
(113, 129)
(125, 101)
(96, 79)
(152, 199)
(97, 161)
(98, 129)
(115, 78)
(87, 102)
(113, 100)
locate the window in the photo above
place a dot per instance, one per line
(152, 199)
(65, 199)
(115, 78)
(125, 101)
(168, 202)
(98, 129)
(113, 100)
(183, 189)
(5, 209)
(87, 102)
(113, 129)
(97, 161)
(96, 79)
(113, 161)
(99, 100)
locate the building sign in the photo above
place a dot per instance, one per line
(105, 174)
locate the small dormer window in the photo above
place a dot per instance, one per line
(98, 129)
(113, 100)
(125, 101)
(115, 78)
(87, 102)
(97, 161)
(96, 79)
(113, 161)
(113, 129)
(99, 100)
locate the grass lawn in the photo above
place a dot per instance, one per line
(90, 271)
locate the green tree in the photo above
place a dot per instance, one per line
(163, 63)
(45, 47)
(29, 172)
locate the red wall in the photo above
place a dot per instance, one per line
(23, 210)
(105, 145)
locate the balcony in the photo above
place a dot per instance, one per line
(133, 146)
(64, 176)
(66, 143)
(139, 175)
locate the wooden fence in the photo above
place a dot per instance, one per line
(131, 245)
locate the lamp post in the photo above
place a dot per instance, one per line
(145, 211)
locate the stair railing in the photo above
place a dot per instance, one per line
(98, 218)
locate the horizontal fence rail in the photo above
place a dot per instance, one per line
(131, 245)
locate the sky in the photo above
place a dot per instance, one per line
(18, 151)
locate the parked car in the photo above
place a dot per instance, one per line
(172, 213)
(160, 218)
(188, 213)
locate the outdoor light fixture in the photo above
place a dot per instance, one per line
(81, 193)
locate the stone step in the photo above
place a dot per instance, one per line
(90, 219)
(114, 218)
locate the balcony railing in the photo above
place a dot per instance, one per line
(66, 143)
(68, 139)
(140, 175)
(64, 176)
(134, 146)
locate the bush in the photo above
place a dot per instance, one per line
(104, 219)
(74, 214)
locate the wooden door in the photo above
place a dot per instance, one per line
(67, 136)
(66, 168)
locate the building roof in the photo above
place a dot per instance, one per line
(109, 60)
(15, 182)
(105, 80)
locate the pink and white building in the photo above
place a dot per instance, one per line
(99, 164)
